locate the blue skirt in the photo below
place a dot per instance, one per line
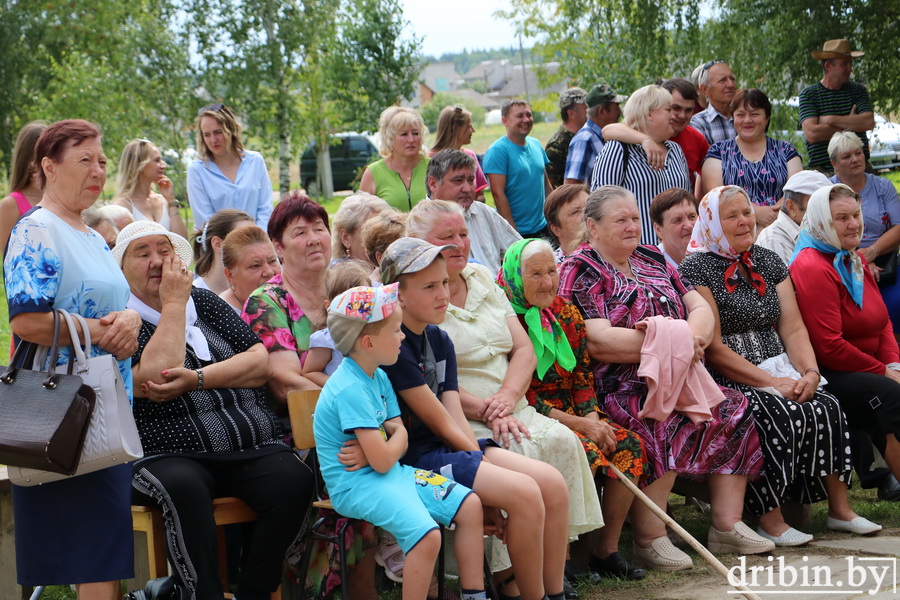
(75, 531)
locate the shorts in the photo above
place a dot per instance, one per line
(461, 466)
(405, 501)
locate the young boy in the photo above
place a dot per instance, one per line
(360, 439)
(532, 493)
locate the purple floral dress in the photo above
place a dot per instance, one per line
(727, 444)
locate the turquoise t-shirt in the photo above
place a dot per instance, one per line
(524, 170)
(350, 400)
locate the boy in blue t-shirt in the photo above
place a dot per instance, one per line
(360, 440)
(532, 493)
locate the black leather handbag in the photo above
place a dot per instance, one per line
(888, 265)
(164, 588)
(44, 416)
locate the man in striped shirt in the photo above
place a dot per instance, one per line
(834, 104)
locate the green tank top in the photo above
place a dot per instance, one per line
(390, 187)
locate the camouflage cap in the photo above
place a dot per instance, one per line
(408, 255)
(602, 94)
(570, 97)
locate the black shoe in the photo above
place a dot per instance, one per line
(576, 573)
(569, 590)
(614, 565)
(889, 489)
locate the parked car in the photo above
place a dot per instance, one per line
(884, 144)
(350, 153)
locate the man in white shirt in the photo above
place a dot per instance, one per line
(781, 236)
(451, 176)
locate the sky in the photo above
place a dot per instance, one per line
(451, 25)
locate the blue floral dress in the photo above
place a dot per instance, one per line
(86, 520)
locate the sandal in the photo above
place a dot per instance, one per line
(502, 585)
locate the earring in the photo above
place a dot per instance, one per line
(346, 251)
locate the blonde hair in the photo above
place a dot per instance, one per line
(394, 120)
(135, 157)
(843, 141)
(422, 216)
(642, 102)
(350, 216)
(345, 274)
(450, 122)
(381, 231)
(230, 127)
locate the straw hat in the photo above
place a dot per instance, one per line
(140, 229)
(836, 49)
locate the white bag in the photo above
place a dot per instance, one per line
(112, 437)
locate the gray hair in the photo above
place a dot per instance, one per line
(422, 216)
(843, 141)
(730, 192)
(535, 247)
(797, 197)
(350, 216)
(703, 77)
(595, 206)
(92, 217)
(446, 161)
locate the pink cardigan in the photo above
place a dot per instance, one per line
(674, 382)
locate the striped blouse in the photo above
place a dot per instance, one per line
(641, 180)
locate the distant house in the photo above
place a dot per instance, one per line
(505, 79)
(442, 77)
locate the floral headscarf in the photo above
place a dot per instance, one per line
(817, 231)
(550, 342)
(709, 237)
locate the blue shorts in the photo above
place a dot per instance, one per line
(460, 466)
(405, 501)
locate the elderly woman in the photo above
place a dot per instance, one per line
(399, 176)
(753, 161)
(454, 130)
(495, 360)
(250, 261)
(760, 347)
(674, 213)
(140, 167)
(225, 175)
(346, 226)
(562, 388)
(200, 409)
(55, 261)
(648, 111)
(616, 284)
(207, 243)
(880, 209)
(847, 320)
(564, 211)
(25, 192)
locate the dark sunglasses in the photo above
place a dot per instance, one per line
(211, 108)
(711, 63)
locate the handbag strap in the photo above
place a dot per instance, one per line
(52, 379)
(74, 340)
(85, 332)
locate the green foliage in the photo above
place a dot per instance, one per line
(430, 111)
(467, 59)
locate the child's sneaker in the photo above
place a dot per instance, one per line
(390, 556)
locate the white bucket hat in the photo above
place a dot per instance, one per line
(140, 229)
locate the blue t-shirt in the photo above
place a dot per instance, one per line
(350, 400)
(524, 170)
(412, 370)
(49, 264)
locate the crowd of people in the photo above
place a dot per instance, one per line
(495, 369)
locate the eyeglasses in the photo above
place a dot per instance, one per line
(211, 108)
(711, 63)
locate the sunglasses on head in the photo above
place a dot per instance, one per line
(711, 63)
(211, 108)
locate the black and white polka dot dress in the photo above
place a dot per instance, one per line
(801, 442)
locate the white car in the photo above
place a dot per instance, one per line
(884, 144)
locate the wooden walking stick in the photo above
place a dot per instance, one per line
(700, 548)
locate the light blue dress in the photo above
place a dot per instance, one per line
(50, 265)
(209, 190)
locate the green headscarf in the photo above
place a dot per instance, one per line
(550, 342)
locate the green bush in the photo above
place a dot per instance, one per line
(432, 110)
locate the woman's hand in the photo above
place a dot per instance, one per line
(874, 269)
(868, 253)
(806, 386)
(766, 215)
(890, 373)
(785, 386)
(352, 456)
(504, 426)
(176, 282)
(494, 523)
(698, 349)
(120, 337)
(177, 381)
(600, 432)
(166, 188)
(498, 405)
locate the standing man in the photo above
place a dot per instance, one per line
(602, 109)
(834, 104)
(451, 177)
(718, 84)
(515, 165)
(573, 110)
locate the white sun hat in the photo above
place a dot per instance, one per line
(140, 229)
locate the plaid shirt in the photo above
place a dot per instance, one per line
(583, 150)
(714, 126)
